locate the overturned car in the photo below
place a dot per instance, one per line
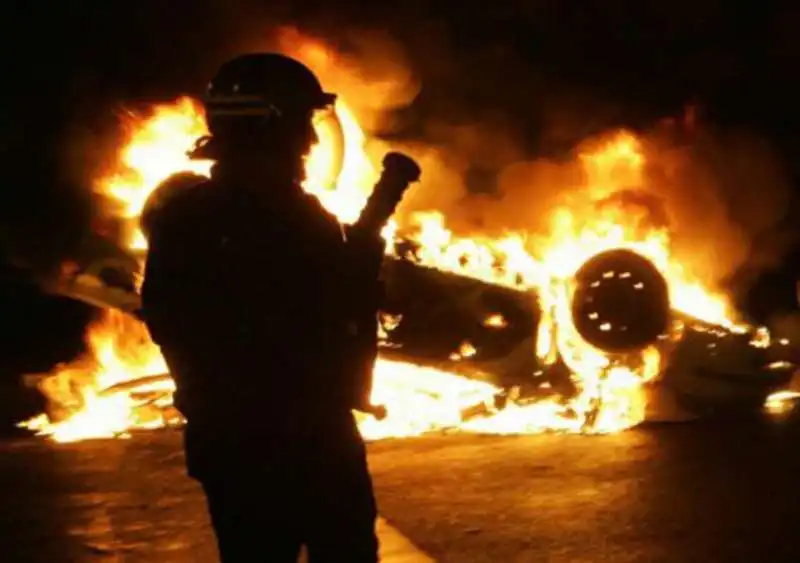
(489, 334)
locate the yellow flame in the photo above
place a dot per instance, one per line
(357, 176)
(781, 402)
(96, 403)
(495, 321)
(157, 148)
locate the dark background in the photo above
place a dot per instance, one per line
(72, 65)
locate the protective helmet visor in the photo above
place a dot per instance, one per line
(257, 106)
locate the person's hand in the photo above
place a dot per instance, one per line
(378, 411)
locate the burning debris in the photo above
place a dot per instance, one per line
(583, 363)
(495, 321)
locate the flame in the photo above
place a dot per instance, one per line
(121, 384)
(120, 351)
(357, 176)
(157, 148)
(495, 321)
(781, 402)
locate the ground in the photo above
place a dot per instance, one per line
(722, 491)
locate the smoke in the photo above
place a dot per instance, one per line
(728, 195)
(722, 194)
(497, 104)
(723, 197)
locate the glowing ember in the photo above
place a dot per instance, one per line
(465, 350)
(121, 383)
(781, 402)
(495, 321)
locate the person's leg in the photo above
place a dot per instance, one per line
(251, 523)
(340, 503)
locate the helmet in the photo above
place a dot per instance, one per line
(264, 85)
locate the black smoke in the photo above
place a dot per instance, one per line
(501, 83)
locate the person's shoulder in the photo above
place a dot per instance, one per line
(180, 187)
(177, 194)
(322, 217)
(315, 205)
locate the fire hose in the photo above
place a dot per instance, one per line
(364, 237)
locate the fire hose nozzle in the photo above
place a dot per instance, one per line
(399, 172)
(402, 167)
(378, 411)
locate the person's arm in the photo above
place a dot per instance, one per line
(157, 287)
(167, 271)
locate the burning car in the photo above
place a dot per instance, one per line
(584, 330)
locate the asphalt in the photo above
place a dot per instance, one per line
(725, 491)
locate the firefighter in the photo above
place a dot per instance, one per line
(250, 293)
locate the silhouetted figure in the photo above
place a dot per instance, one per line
(250, 290)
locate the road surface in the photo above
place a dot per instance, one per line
(724, 491)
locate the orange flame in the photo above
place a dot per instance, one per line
(419, 399)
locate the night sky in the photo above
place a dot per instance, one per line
(75, 64)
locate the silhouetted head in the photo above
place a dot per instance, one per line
(259, 109)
